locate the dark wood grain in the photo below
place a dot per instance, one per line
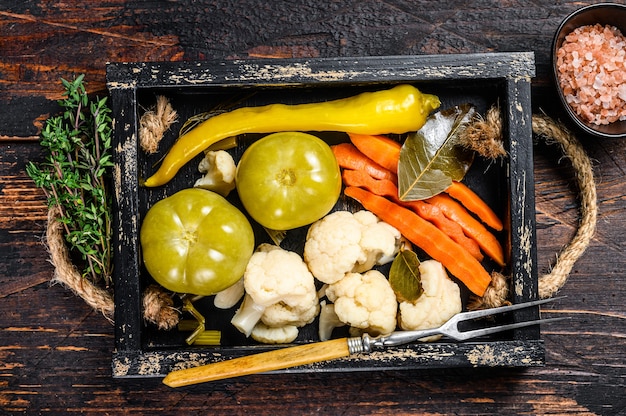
(55, 353)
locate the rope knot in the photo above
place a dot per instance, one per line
(485, 137)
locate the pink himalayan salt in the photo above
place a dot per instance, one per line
(592, 73)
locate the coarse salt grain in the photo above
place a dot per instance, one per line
(592, 72)
(621, 92)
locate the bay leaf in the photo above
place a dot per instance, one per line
(431, 158)
(404, 276)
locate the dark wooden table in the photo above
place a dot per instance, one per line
(55, 352)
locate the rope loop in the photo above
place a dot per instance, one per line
(488, 131)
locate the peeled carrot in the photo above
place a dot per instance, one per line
(349, 157)
(475, 204)
(382, 187)
(381, 149)
(471, 226)
(450, 228)
(428, 237)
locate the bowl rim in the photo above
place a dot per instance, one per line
(585, 126)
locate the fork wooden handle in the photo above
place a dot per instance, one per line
(259, 363)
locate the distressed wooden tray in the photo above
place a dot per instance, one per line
(194, 87)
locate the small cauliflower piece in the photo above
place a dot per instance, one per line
(440, 300)
(219, 169)
(328, 321)
(248, 315)
(343, 242)
(380, 241)
(271, 335)
(280, 314)
(365, 301)
(230, 296)
(279, 285)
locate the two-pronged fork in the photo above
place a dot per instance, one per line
(343, 347)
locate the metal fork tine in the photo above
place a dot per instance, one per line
(461, 336)
(451, 328)
(492, 311)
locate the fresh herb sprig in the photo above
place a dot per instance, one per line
(74, 175)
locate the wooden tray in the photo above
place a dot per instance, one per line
(194, 87)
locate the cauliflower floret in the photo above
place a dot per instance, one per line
(279, 276)
(219, 169)
(279, 289)
(365, 301)
(440, 300)
(343, 242)
(270, 335)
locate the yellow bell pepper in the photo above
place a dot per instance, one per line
(400, 109)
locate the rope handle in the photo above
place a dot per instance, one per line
(66, 273)
(553, 133)
(543, 126)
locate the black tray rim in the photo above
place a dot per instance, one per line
(514, 69)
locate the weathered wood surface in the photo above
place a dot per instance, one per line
(55, 353)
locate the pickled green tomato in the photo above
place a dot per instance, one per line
(196, 242)
(288, 180)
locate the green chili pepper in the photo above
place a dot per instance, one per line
(397, 110)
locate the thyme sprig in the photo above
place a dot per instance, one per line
(73, 175)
